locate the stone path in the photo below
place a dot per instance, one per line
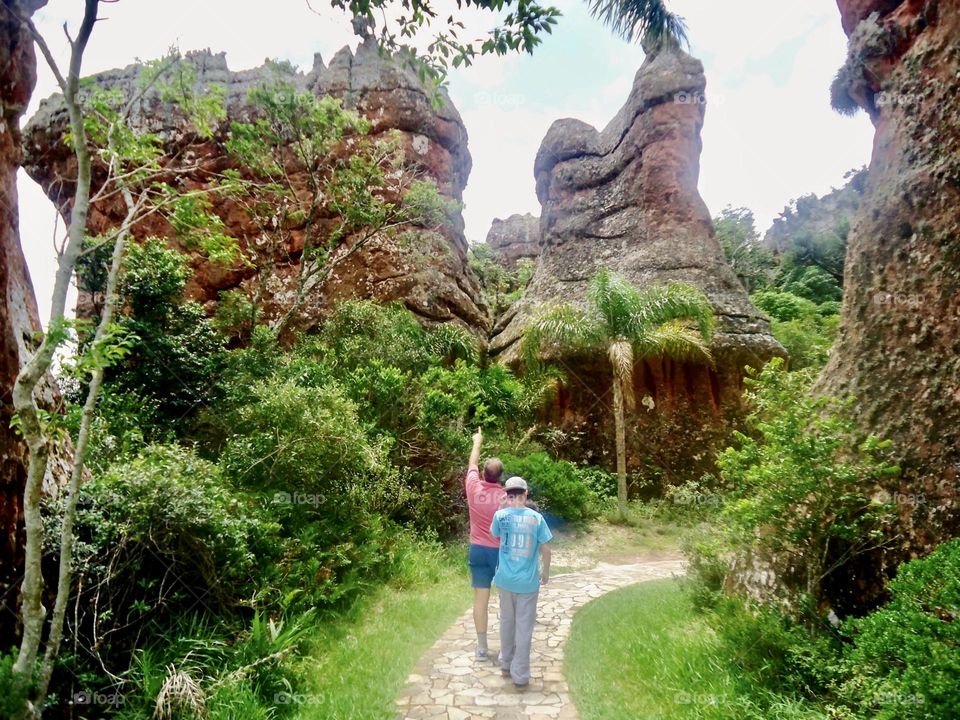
(449, 684)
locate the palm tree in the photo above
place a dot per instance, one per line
(675, 321)
(639, 20)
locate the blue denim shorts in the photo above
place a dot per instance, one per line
(483, 564)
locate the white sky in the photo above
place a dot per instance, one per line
(770, 135)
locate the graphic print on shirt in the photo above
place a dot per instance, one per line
(518, 533)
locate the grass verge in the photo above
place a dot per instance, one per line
(644, 652)
(357, 665)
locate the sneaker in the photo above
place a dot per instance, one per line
(505, 672)
(521, 686)
(482, 654)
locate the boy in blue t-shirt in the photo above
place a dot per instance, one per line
(523, 537)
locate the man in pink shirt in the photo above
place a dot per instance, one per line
(484, 497)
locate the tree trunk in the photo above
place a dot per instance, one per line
(618, 420)
(18, 308)
(32, 611)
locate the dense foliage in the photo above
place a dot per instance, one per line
(501, 285)
(170, 368)
(905, 659)
(292, 481)
(804, 495)
(800, 484)
(557, 486)
(799, 289)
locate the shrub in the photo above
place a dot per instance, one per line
(159, 536)
(174, 357)
(292, 439)
(453, 400)
(175, 360)
(13, 694)
(813, 283)
(905, 661)
(303, 451)
(806, 329)
(501, 286)
(707, 555)
(784, 306)
(807, 340)
(154, 276)
(232, 672)
(601, 483)
(123, 424)
(362, 331)
(555, 485)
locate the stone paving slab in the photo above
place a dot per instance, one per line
(450, 684)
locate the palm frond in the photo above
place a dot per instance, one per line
(675, 339)
(677, 301)
(451, 341)
(615, 299)
(621, 359)
(566, 326)
(635, 20)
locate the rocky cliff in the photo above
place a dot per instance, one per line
(516, 238)
(830, 214)
(18, 309)
(626, 198)
(898, 350)
(430, 275)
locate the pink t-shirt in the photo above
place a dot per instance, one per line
(483, 499)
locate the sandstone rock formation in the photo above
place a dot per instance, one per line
(431, 277)
(18, 308)
(516, 238)
(626, 198)
(898, 350)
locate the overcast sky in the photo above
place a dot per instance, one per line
(770, 135)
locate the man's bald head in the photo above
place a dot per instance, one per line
(492, 470)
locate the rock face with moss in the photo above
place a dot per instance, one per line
(626, 198)
(428, 272)
(898, 350)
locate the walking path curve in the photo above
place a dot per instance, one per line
(449, 684)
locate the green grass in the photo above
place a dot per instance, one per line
(357, 665)
(643, 652)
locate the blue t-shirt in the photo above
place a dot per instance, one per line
(521, 531)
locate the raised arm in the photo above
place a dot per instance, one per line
(545, 554)
(475, 453)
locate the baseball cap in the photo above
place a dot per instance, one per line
(516, 483)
